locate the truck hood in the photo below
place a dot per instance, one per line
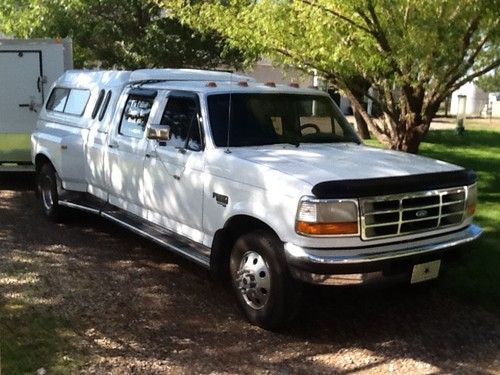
(315, 163)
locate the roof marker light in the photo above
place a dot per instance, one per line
(270, 84)
(314, 87)
(294, 85)
(211, 84)
(243, 83)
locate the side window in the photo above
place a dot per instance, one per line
(77, 101)
(57, 99)
(182, 115)
(105, 105)
(98, 104)
(70, 101)
(135, 116)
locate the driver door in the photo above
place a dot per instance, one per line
(174, 170)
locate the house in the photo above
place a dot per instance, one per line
(475, 100)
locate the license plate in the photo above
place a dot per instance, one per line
(425, 271)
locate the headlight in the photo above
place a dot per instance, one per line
(471, 199)
(319, 218)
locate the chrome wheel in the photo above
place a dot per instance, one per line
(253, 279)
(45, 187)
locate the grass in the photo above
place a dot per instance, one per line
(15, 147)
(475, 279)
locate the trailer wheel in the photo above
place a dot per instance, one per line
(46, 185)
(264, 288)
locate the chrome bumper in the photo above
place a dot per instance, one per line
(325, 266)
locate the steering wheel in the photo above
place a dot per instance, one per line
(312, 126)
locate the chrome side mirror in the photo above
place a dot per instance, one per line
(158, 132)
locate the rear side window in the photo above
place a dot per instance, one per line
(105, 105)
(70, 101)
(57, 100)
(135, 116)
(98, 104)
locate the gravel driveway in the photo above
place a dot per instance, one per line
(132, 307)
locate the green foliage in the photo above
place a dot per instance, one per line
(413, 53)
(128, 33)
(490, 82)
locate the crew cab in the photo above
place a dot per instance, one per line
(267, 185)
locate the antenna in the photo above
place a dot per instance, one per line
(228, 151)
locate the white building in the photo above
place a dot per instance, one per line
(475, 100)
(494, 104)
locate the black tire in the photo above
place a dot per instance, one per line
(264, 288)
(47, 192)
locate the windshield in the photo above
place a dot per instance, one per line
(263, 119)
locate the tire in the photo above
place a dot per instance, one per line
(48, 197)
(264, 288)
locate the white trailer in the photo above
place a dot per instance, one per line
(27, 70)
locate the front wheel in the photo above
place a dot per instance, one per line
(267, 294)
(46, 185)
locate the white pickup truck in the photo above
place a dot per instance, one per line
(265, 184)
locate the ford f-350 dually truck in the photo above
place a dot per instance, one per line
(265, 184)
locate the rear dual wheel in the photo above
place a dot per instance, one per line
(264, 288)
(46, 186)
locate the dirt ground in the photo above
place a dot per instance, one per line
(125, 305)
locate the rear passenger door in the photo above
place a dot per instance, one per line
(173, 172)
(126, 150)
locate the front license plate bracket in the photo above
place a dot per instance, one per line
(425, 271)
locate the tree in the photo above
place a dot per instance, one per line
(414, 53)
(123, 33)
(490, 82)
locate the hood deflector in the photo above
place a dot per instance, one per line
(393, 185)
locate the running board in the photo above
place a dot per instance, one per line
(185, 247)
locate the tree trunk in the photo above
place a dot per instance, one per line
(361, 125)
(409, 142)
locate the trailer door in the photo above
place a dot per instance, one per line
(21, 95)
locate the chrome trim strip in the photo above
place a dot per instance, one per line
(198, 259)
(301, 254)
(78, 207)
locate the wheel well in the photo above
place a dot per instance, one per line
(40, 160)
(225, 238)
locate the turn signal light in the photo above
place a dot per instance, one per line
(327, 228)
(471, 209)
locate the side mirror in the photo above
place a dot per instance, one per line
(158, 132)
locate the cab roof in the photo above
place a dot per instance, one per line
(200, 81)
(212, 87)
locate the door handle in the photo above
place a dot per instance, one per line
(113, 145)
(31, 106)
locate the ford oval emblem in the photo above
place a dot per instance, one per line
(421, 213)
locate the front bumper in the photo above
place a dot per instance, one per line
(326, 266)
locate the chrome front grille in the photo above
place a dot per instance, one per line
(396, 215)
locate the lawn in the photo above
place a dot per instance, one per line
(15, 147)
(475, 279)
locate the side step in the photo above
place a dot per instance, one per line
(181, 245)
